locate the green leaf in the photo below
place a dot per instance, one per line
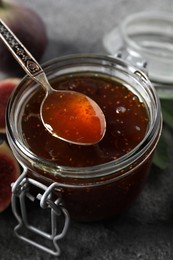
(161, 157)
(167, 111)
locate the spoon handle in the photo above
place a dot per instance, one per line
(20, 53)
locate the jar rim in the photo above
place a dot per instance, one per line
(85, 172)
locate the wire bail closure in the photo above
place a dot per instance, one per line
(20, 191)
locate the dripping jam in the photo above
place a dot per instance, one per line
(126, 118)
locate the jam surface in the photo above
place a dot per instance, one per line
(126, 120)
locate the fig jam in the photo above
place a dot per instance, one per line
(126, 119)
(73, 117)
(96, 181)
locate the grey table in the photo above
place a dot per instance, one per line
(145, 231)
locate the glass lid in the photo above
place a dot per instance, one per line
(149, 34)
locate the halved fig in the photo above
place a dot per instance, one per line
(9, 172)
(6, 88)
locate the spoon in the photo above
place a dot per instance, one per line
(68, 115)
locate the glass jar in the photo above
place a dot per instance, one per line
(95, 192)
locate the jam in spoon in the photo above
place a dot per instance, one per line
(68, 115)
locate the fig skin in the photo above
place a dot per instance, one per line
(28, 27)
(9, 172)
(6, 88)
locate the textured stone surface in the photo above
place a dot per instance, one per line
(145, 232)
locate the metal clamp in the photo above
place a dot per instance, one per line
(20, 191)
(132, 57)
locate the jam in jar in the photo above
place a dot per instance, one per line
(95, 181)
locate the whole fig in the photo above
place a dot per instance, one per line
(28, 27)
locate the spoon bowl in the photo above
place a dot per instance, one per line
(68, 115)
(79, 118)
